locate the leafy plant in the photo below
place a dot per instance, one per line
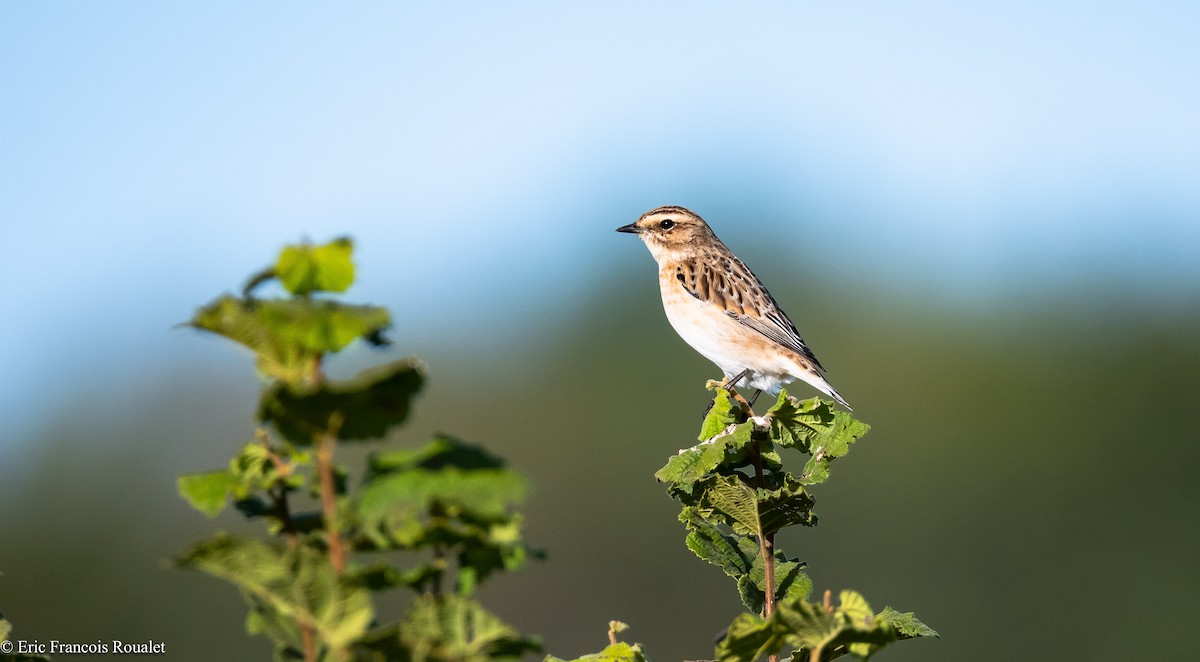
(447, 508)
(736, 495)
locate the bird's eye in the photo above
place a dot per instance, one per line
(666, 224)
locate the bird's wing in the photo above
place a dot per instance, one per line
(727, 283)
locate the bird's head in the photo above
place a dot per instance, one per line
(669, 231)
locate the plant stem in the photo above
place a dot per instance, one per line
(766, 543)
(310, 644)
(337, 552)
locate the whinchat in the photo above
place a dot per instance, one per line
(720, 308)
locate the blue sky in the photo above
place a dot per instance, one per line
(153, 154)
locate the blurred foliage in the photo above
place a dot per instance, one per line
(448, 505)
(13, 651)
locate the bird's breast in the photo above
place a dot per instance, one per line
(703, 325)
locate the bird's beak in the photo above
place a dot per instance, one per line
(633, 228)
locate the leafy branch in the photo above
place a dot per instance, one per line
(736, 495)
(449, 505)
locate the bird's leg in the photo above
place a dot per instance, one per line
(754, 398)
(733, 381)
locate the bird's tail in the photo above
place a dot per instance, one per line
(818, 381)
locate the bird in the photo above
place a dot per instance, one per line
(720, 308)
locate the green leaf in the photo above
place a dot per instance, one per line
(814, 427)
(812, 631)
(787, 505)
(450, 628)
(618, 652)
(320, 326)
(855, 608)
(808, 626)
(760, 512)
(305, 268)
(736, 501)
(794, 422)
(732, 553)
(362, 408)
(689, 466)
(737, 555)
(444, 451)
(396, 503)
(750, 638)
(297, 584)
(719, 416)
(492, 545)
(831, 442)
(207, 492)
(791, 580)
(382, 577)
(288, 336)
(906, 624)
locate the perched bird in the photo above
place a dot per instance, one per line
(720, 308)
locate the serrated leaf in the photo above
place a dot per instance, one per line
(453, 628)
(732, 553)
(791, 580)
(807, 625)
(736, 501)
(784, 506)
(690, 465)
(719, 416)
(844, 430)
(362, 408)
(749, 638)
(855, 608)
(814, 427)
(305, 268)
(906, 624)
(207, 492)
(449, 493)
(794, 422)
(295, 583)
